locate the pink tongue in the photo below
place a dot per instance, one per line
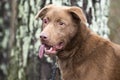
(41, 51)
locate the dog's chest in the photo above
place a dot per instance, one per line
(85, 71)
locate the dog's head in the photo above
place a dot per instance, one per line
(59, 26)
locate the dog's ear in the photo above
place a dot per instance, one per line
(77, 13)
(43, 11)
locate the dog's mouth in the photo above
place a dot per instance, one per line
(50, 49)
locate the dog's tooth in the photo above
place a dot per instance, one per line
(50, 49)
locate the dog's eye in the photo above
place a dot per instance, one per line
(45, 21)
(61, 23)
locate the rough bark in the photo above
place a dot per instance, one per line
(24, 41)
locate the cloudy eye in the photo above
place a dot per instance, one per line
(45, 21)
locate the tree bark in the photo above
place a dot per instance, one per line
(25, 64)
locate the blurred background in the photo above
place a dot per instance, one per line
(19, 35)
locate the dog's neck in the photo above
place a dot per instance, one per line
(76, 42)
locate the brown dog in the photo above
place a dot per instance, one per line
(82, 54)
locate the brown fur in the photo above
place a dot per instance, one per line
(85, 56)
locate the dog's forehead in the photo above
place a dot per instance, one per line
(58, 12)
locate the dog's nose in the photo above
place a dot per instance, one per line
(43, 37)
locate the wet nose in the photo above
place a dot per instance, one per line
(43, 37)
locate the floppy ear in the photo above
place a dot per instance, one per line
(43, 11)
(77, 13)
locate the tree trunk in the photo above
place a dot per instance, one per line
(24, 61)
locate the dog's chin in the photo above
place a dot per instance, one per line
(50, 49)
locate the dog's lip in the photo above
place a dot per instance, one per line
(57, 47)
(50, 49)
